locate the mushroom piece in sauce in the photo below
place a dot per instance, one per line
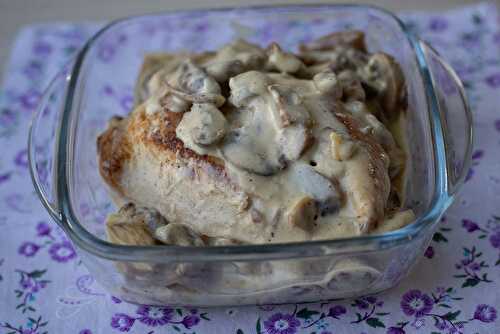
(303, 213)
(179, 235)
(315, 185)
(132, 225)
(282, 61)
(204, 124)
(384, 75)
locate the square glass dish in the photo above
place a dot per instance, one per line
(96, 85)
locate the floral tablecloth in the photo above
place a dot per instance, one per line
(44, 288)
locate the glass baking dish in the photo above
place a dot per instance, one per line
(97, 84)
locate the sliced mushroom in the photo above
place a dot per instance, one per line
(268, 136)
(370, 124)
(366, 180)
(310, 71)
(352, 38)
(247, 85)
(129, 234)
(351, 86)
(204, 124)
(188, 84)
(252, 56)
(242, 148)
(193, 79)
(293, 141)
(342, 148)
(216, 99)
(224, 69)
(289, 106)
(327, 83)
(321, 189)
(132, 225)
(284, 62)
(396, 221)
(179, 235)
(303, 214)
(384, 75)
(326, 58)
(130, 213)
(153, 71)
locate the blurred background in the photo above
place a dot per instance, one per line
(16, 13)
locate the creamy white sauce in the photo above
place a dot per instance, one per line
(279, 137)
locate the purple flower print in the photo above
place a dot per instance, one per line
(495, 239)
(369, 305)
(493, 80)
(106, 52)
(34, 326)
(155, 316)
(441, 324)
(438, 24)
(371, 299)
(43, 229)
(116, 300)
(30, 283)
(471, 268)
(4, 177)
(7, 117)
(107, 49)
(190, 321)
(478, 154)
(21, 158)
(108, 90)
(414, 302)
(122, 322)
(336, 311)
(361, 304)
(444, 322)
(29, 331)
(41, 48)
(29, 99)
(395, 330)
(28, 249)
(85, 331)
(469, 225)
(497, 125)
(365, 302)
(26, 283)
(280, 323)
(62, 251)
(470, 174)
(474, 266)
(470, 39)
(201, 27)
(429, 252)
(485, 313)
(32, 70)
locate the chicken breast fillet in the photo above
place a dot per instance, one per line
(252, 145)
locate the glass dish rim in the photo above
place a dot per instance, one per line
(84, 239)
